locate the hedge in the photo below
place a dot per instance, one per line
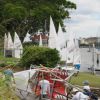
(39, 55)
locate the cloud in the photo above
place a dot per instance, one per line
(88, 5)
(85, 21)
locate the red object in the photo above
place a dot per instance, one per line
(57, 87)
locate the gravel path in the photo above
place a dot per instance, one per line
(25, 96)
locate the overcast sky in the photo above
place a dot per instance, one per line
(85, 20)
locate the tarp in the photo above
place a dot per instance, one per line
(21, 79)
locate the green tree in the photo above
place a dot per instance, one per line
(24, 15)
(39, 55)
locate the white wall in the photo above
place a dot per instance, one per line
(87, 59)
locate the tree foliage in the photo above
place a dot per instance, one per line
(24, 15)
(39, 55)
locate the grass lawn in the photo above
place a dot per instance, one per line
(8, 60)
(2, 58)
(93, 79)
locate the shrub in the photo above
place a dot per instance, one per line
(29, 44)
(3, 64)
(11, 63)
(39, 55)
(62, 63)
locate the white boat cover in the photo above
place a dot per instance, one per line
(73, 51)
(70, 48)
(77, 55)
(40, 42)
(5, 43)
(61, 38)
(52, 35)
(10, 42)
(27, 38)
(63, 54)
(18, 48)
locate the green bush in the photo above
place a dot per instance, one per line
(3, 64)
(39, 55)
(8, 63)
(11, 63)
(29, 44)
(62, 63)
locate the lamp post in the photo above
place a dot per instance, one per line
(97, 59)
(93, 65)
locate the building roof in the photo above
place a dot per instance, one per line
(37, 37)
(89, 40)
